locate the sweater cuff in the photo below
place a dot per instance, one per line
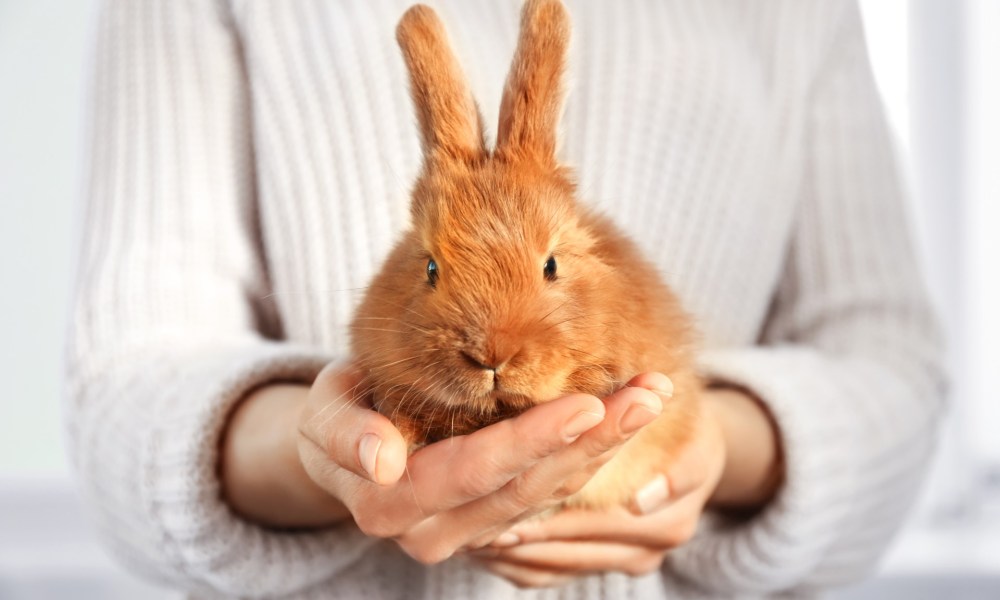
(187, 398)
(780, 546)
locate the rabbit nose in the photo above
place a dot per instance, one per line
(480, 363)
(493, 360)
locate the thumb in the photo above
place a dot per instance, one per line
(348, 432)
(377, 449)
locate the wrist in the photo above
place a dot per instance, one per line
(263, 479)
(753, 468)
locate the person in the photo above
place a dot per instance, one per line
(249, 171)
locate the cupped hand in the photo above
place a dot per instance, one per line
(543, 553)
(459, 493)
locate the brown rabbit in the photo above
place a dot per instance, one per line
(507, 292)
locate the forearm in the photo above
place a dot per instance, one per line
(753, 469)
(262, 477)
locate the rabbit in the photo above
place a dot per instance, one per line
(507, 292)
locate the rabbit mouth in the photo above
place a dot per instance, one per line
(510, 398)
(498, 392)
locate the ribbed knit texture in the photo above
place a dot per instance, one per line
(249, 171)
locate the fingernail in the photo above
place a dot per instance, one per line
(664, 387)
(368, 453)
(583, 421)
(639, 414)
(652, 496)
(506, 539)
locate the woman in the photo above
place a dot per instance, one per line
(250, 170)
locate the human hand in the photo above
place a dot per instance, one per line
(462, 492)
(665, 514)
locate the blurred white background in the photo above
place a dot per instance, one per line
(938, 66)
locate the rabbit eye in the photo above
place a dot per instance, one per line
(432, 272)
(549, 270)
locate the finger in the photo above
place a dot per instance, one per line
(613, 524)
(458, 470)
(352, 435)
(500, 535)
(657, 383)
(688, 472)
(652, 497)
(628, 410)
(580, 558)
(667, 528)
(564, 473)
(551, 480)
(619, 406)
(686, 475)
(525, 577)
(504, 450)
(452, 472)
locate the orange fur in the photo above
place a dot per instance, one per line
(533, 93)
(490, 222)
(450, 126)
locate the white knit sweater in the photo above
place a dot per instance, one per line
(250, 166)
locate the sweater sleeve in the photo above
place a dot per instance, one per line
(169, 329)
(849, 364)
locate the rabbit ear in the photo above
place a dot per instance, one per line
(450, 125)
(533, 95)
